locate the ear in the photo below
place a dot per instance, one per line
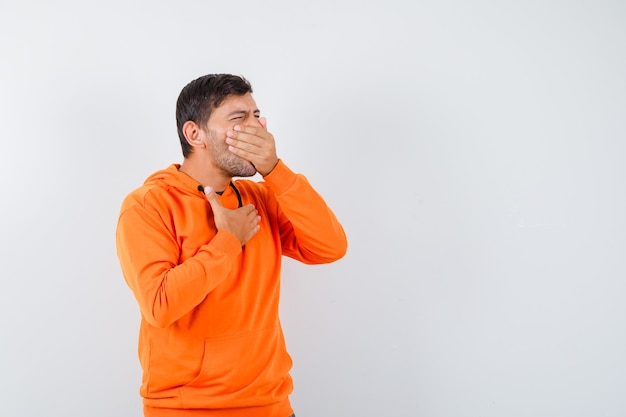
(193, 134)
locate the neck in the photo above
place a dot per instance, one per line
(207, 175)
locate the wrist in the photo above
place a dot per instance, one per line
(269, 171)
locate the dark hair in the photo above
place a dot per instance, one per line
(198, 99)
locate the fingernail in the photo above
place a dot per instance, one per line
(237, 128)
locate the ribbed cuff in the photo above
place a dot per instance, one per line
(226, 242)
(281, 178)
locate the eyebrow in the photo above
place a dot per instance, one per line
(243, 112)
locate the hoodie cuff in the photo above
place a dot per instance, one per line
(226, 242)
(281, 178)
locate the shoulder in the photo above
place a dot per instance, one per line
(147, 198)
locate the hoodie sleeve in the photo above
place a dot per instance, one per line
(149, 257)
(309, 230)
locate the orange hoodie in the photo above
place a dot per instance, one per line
(210, 337)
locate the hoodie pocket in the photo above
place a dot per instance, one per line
(244, 361)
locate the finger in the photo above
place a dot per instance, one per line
(254, 232)
(252, 145)
(252, 216)
(246, 151)
(212, 198)
(248, 156)
(248, 209)
(250, 130)
(246, 142)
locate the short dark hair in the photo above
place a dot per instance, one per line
(197, 100)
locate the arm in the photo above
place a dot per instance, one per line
(149, 255)
(309, 230)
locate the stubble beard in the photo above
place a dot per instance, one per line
(227, 162)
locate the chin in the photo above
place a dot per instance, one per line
(242, 170)
(248, 171)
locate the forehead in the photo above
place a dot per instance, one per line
(235, 103)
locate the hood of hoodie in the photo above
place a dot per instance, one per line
(172, 177)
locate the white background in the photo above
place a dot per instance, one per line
(473, 150)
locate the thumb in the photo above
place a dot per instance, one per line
(213, 201)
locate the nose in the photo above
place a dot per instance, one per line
(253, 121)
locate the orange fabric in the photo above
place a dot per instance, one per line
(282, 409)
(210, 337)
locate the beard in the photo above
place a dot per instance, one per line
(227, 162)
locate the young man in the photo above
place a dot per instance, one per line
(202, 254)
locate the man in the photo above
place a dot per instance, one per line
(202, 254)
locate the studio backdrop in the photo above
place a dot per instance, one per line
(473, 150)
